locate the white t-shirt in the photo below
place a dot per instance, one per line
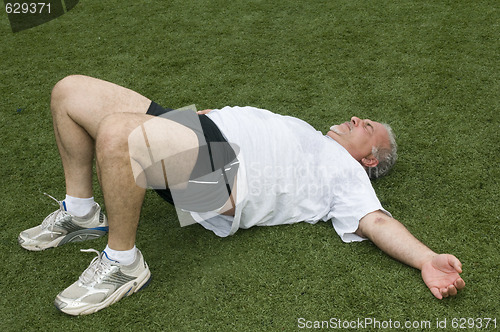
(289, 172)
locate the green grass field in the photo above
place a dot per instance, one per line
(430, 68)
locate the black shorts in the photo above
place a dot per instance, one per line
(211, 181)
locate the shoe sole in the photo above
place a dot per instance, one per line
(78, 236)
(125, 290)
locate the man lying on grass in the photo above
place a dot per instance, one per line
(232, 168)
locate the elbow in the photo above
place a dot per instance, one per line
(372, 222)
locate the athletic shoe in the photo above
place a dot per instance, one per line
(60, 227)
(103, 283)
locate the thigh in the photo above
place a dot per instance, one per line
(89, 100)
(162, 152)
(170, 155)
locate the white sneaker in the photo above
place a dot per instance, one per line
(60, 227)
(103, 283)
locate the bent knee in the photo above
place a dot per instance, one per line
(64, 89)
(67, 85)
(112, 134)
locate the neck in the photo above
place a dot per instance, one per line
(337, 138)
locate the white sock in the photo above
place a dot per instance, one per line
(125, 257)
(78, 207)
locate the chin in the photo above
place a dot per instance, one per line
(335, 129)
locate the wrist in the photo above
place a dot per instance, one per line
(428, 257)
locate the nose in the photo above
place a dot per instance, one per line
(356, 121)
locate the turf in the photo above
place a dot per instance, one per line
(430, 68)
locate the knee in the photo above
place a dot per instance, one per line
(64, 90)
(112, 137)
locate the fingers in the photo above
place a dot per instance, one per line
(444, 292)
(453, 261)
(451, 290)
(459, 283)
(435, 291)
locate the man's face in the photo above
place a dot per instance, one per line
(359, 136)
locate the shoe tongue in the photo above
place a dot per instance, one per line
(104, 257)
(64, 206)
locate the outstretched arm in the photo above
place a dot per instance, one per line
(439, 272)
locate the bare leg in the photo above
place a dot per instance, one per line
(78, 104)
(123, 197)
(88, 111)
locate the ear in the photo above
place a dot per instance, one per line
(369, 161)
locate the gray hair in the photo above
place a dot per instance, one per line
(386, 156)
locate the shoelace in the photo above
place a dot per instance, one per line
(51, 219)
(96, 270)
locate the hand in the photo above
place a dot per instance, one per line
(204, 111)
(441, 275)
